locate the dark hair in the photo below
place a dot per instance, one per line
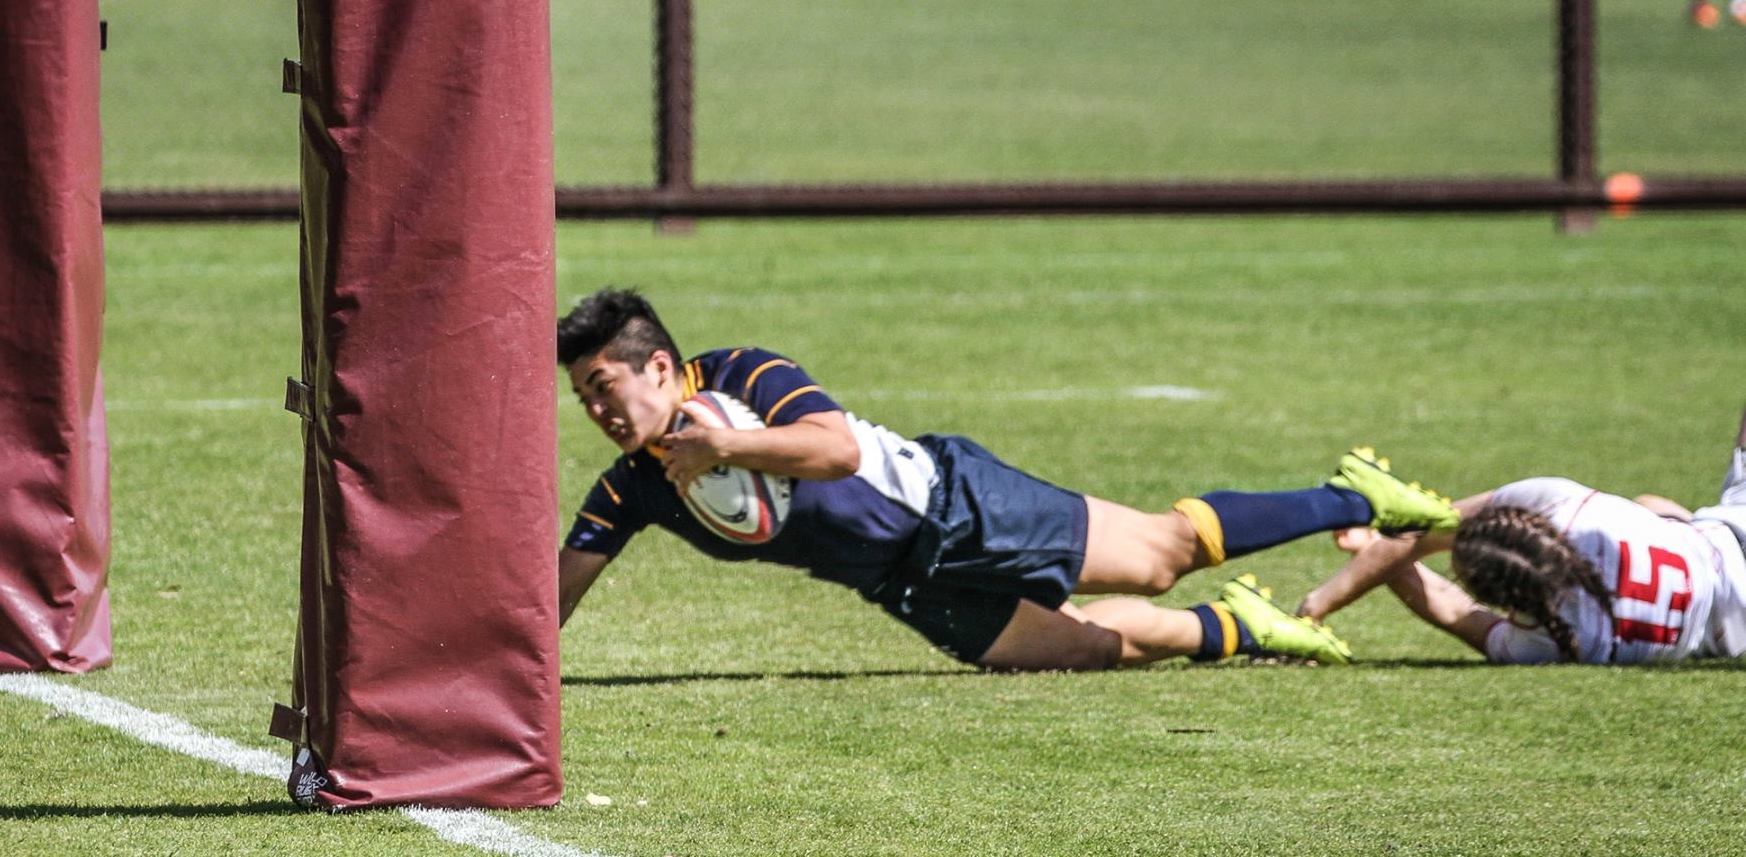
(617, 322)
(1513, 558)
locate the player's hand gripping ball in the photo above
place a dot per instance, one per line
(740, 505)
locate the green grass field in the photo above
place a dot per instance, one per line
(746, 710)
(883, 90)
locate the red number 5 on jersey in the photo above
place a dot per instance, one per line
(1654, 592)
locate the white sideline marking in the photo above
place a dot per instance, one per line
(1158, 391)
(1171, 391)
(160, 730)
(472, 827)
(462, 826)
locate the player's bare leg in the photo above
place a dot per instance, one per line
(1100, 635)
(1136, 553)
(1129, 631)
(1037, 638)
(1139, 553)
(1149, 632)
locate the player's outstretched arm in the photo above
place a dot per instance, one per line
(1438, 601)
(1369, 568)
(577, 571)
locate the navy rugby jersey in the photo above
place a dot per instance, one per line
(856, 531)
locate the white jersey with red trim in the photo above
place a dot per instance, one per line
(1666, 577)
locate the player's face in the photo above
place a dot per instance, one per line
(632, 405)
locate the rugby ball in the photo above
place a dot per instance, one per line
(740, 505)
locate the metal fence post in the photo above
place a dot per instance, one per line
(1576, 103)
(673, 96)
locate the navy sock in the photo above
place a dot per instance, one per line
(1221, 634)
(1255, 521)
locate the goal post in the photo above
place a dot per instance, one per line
(426, 668)
(54, 448)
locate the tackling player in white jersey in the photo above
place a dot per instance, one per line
(1583, 575)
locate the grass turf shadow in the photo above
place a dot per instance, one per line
(796, 675)
(1694, 665)
(30, 811)
(1704, 665)
(1421, 663)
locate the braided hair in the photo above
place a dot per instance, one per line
(1513, 558)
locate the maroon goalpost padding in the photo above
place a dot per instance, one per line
(427, 652)
(54, 451)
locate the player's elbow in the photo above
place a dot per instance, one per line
(842, 459)
(832, 451)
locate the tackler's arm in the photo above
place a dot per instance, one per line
(1378, 562)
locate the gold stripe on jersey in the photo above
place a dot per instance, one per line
(810, 388)
(746, 391)
(616, 500)
(1207, 528)
(693, 379)
(725, 364)
(596, 519)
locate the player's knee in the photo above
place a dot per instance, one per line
(1162, 576)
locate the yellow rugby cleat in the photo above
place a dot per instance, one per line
(1396, 506)
(1277, 632)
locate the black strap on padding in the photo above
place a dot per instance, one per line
(299, 399)
(288, 724)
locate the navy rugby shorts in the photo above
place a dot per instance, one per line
(993, 535)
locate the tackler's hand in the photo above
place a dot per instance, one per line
(1313, 606)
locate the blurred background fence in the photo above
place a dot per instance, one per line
(858, 107)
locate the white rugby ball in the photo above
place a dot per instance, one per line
(740, 505)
